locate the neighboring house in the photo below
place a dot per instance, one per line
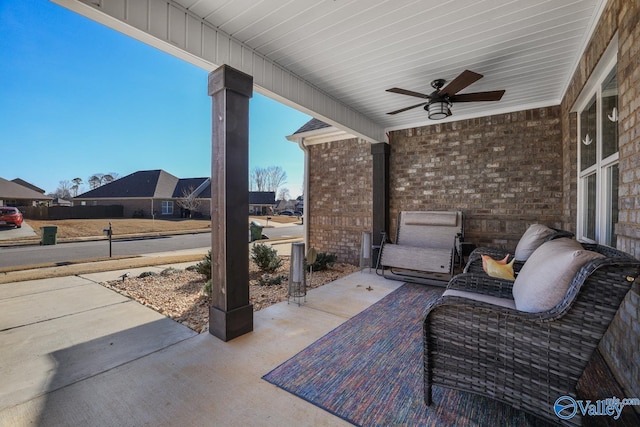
(300, 203)
(57, 201)
(262, 202)
(158, 193)
(145, 194)
(285, 205)
(24, 183)
(14, 193)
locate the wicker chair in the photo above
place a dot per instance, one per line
(527, 360)
(474, 264)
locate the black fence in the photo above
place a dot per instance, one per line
(72, 212)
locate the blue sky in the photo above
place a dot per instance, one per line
(77, 98)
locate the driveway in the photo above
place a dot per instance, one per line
(8, 233)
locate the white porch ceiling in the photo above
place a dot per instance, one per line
(334, 58)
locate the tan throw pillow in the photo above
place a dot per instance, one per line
(535, 235)
(498, 269)
(544, 279)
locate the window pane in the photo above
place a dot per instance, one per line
(167, 207)
(588, 136)
(589, 228)
(610, 114)
(612, 205)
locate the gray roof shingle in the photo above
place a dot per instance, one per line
(151, 184)
(313, 124)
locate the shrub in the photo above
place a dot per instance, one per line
(265, 257)
(204, 266)
(267, 280)
(207, 287)
(323, 261)
(169, 271)
(147, 274)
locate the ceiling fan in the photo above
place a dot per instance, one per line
(440, 100)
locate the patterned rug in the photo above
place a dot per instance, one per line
(368, 371)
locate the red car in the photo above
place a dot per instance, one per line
(10, 216)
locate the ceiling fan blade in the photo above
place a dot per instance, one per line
(408, 92)
(407, 108)
(494, 95)
(463, 80)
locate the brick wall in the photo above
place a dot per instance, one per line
(620, 345)
(340, 198)
(503, 171)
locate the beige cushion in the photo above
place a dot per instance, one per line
(545, 277)
(430, 218)
(502, 302)
(535, 235)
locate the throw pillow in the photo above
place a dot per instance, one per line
(498, 269)
(486, 257)
(535, 235)
(545, 278)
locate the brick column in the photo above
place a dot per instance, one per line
(230, 313)
(380, 181)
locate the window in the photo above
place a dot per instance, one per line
(167, 207)
(598, 159)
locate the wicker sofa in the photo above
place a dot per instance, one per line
(525, 359)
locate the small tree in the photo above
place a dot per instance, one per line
(266, 258)
(189, 201)
(77, 182)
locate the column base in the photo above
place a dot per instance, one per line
(228, 325)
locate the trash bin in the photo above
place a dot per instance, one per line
(255, 230)
(49, 235)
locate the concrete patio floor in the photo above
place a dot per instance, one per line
(75, 353)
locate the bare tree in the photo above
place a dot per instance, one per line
(189, 201)
(258, 178)
(275, 177)
(284, 194)
(63, 191)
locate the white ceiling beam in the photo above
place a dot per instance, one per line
(169, 27)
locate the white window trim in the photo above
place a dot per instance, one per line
(593, 88)
(168, 204)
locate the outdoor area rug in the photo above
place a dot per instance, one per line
(368, 371)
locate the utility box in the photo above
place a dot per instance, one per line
(49, 235)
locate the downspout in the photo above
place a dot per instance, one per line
(305, 196)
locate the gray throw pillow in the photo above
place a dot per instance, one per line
(535, 235)
(545, 277)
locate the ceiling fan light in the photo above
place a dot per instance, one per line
(438, 110)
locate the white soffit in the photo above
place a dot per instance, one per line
(333, 59)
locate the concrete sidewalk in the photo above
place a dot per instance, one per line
(75, 353)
